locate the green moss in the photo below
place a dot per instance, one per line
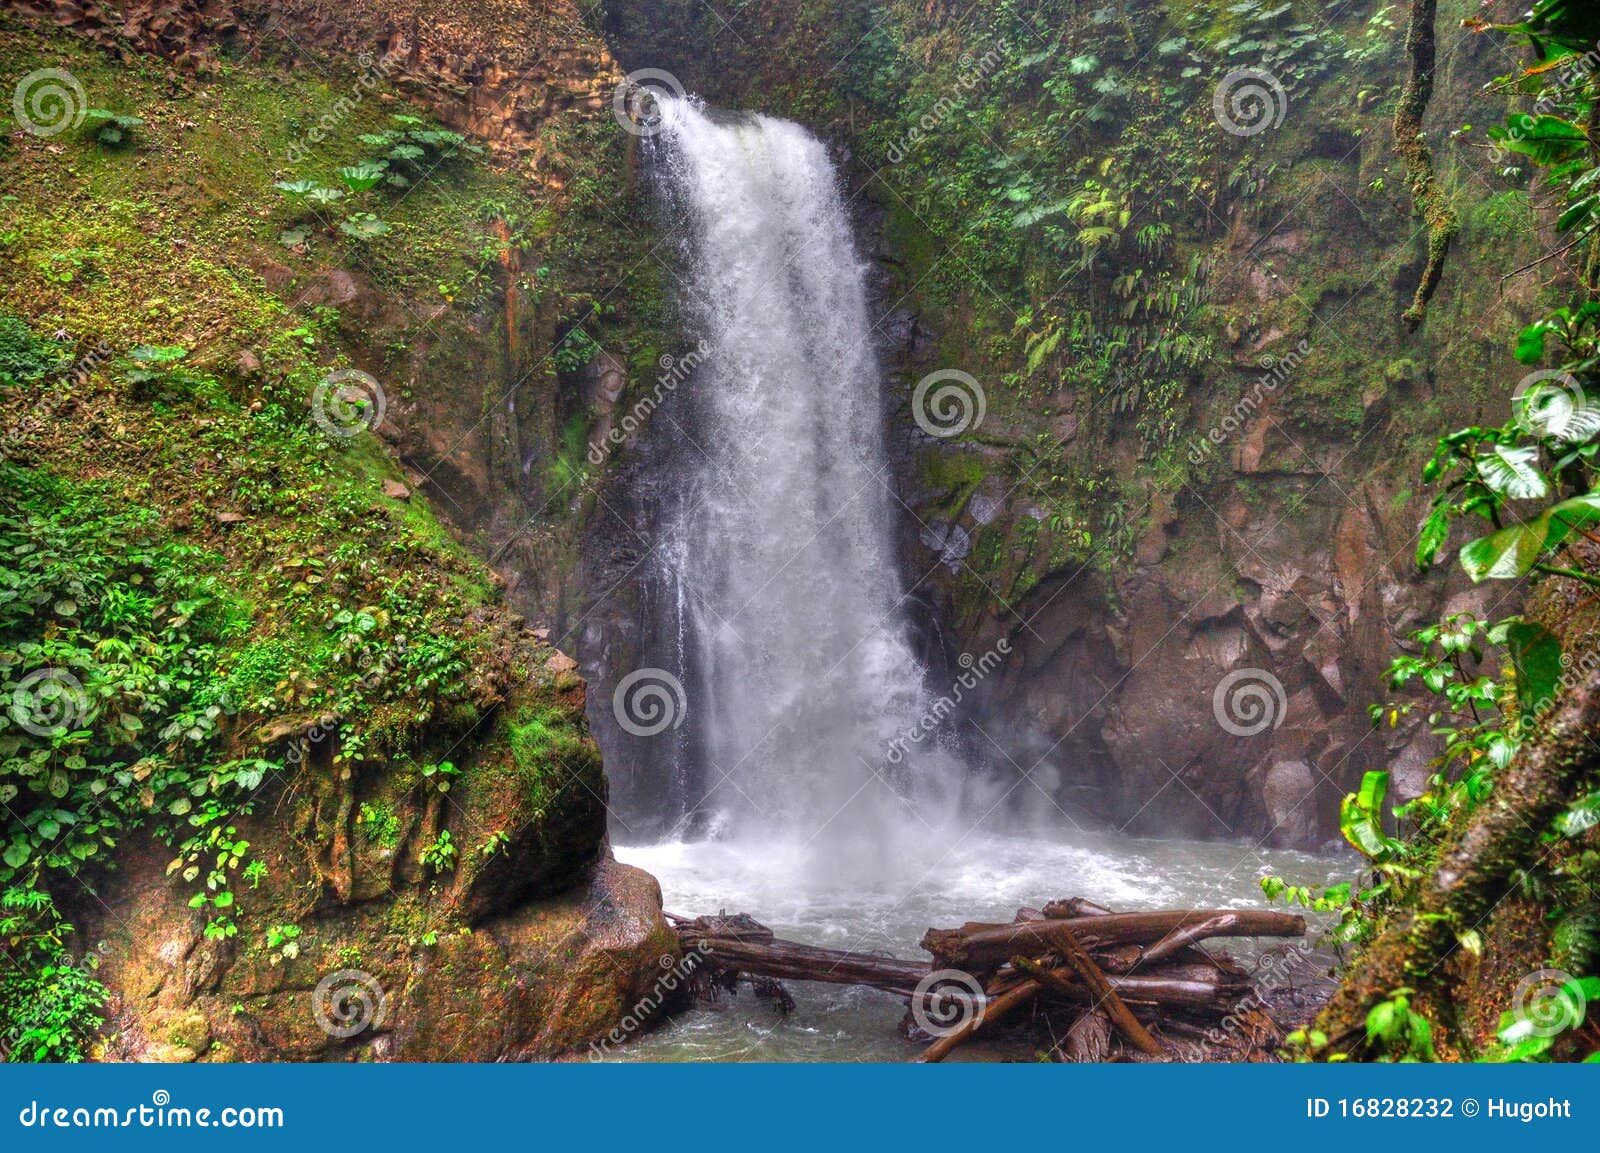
(548, 745)
(25, 357)
(952, 474)
(1504, 216)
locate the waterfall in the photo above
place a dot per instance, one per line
(783, 551)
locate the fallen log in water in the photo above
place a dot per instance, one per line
(790, 961)
(978, 946)
(1117, 974)
(1101, 989)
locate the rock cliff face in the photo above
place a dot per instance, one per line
(1274, 552)
(529, 953)
(354, 943)
(498, 71)
(1152, 552)
(515, 75)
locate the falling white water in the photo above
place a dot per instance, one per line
(785, 601)
(785, 550)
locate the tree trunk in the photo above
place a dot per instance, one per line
(977, 947)
(1428, 202)
(1475, 872)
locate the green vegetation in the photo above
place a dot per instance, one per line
(404, 155)
(1494, 684)
(379, 824)
(111, 129)
(540, 738)
(109, 636)
(1071, 216)
(207, 597)
(25, 357)
(205, 591)
(441, 855)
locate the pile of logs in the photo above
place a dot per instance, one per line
(1108, 984)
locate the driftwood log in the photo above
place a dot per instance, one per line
(978, 946)
(1118, 974)
(1095, 982)
(789, 961)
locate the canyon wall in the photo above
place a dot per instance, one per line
(1232, 507)
(1223, 518)
(388, 915)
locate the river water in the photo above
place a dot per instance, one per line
(985, 877)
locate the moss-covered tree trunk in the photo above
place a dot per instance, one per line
(1428, 201)
(1475, 873)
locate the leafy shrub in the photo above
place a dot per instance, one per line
(108, 635)
(24, 357)
(404, 154)
(111, 129)
(441, 855)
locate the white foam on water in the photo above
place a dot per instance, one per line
(981, 877)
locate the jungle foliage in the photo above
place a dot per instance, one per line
(1492, 682)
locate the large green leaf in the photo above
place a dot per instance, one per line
(1554, 404)
(1581, 817)
(1504, 555)
(1435, 531)
(1547, 139)
(364, 226)
(1361, 817)
(1033, 215)
(1530, 342)
(1570, 516)
(1577, 213)
(360, 177)
(1513, 472)
(1512, 552)
(1560, 27)
(1536, 653)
